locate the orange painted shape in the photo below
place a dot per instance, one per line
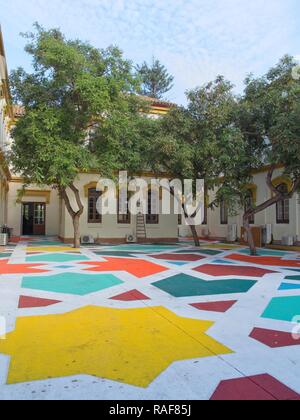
(6, 268)
(137, 267)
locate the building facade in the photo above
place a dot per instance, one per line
(41, 211)
(6, 116)
(282, 219)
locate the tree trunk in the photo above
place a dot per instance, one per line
(76, 220)
(195, 235)
(74, 214)
(251, 243)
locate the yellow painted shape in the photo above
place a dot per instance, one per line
(50, 249)
(127, 345)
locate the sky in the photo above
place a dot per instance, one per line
(195, 39)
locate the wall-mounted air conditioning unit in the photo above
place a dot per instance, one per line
(87, 239)
(3, 239)
(287, 240)
(232, 233)
(205, 232)
(267, 234)
(131, 239)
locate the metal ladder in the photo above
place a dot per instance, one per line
(141, 232)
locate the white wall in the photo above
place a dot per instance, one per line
(15, 209)
(266, 217)
(109, 228)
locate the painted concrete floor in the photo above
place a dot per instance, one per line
(149, 322)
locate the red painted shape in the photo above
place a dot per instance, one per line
(178, 257)
(214, 306)
(34, 302)
(274, 339)
(6, 268)
(272, 261)
(137, 267)
(131, 296)
(253, 388)
(235, 270)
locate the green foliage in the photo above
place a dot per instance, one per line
(200, 141)
(74, 91)
(156, 81)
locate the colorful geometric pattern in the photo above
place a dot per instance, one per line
(219, 270)
(57, 258)
(137, 267)
(6, 268)
(259, 388)
(104, 318)
(283, 308)
(178, 257)
(271, 261)
(71, 283)
(130, 296)
(275, 339)
(289, 286)
(183, 285)
(34, 302)
(214, 306)
(95, 341)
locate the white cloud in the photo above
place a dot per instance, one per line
(196, 39)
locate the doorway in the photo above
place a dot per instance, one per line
(34, 219)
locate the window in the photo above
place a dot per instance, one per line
(39, 214)
(283, 207)
(223, 213)
(249, 204)
(123, 218)
(153, 204)
(93, 215)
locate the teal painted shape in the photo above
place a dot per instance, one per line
(200, 251)
(5, 254)
(223, 262)
(295, 278)
(289, 286)
(265, 252)
(62, 257)
(183, 285)
(71, 283)
(141, 248)
(114, 253)
(283, 308)
(293, 269)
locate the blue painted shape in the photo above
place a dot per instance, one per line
(64, 267)
(71, 283)
(289, 286)
(283, 308)
(180, 263)
(62, 257)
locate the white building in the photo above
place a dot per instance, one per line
(40, 211)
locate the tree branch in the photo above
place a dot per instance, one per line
(78, 200)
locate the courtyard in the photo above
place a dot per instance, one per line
(149, 322)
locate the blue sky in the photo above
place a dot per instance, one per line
(195, 39)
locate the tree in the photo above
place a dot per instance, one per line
(156, 80)
(199, 141)
(269, 119)
(73, 90)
